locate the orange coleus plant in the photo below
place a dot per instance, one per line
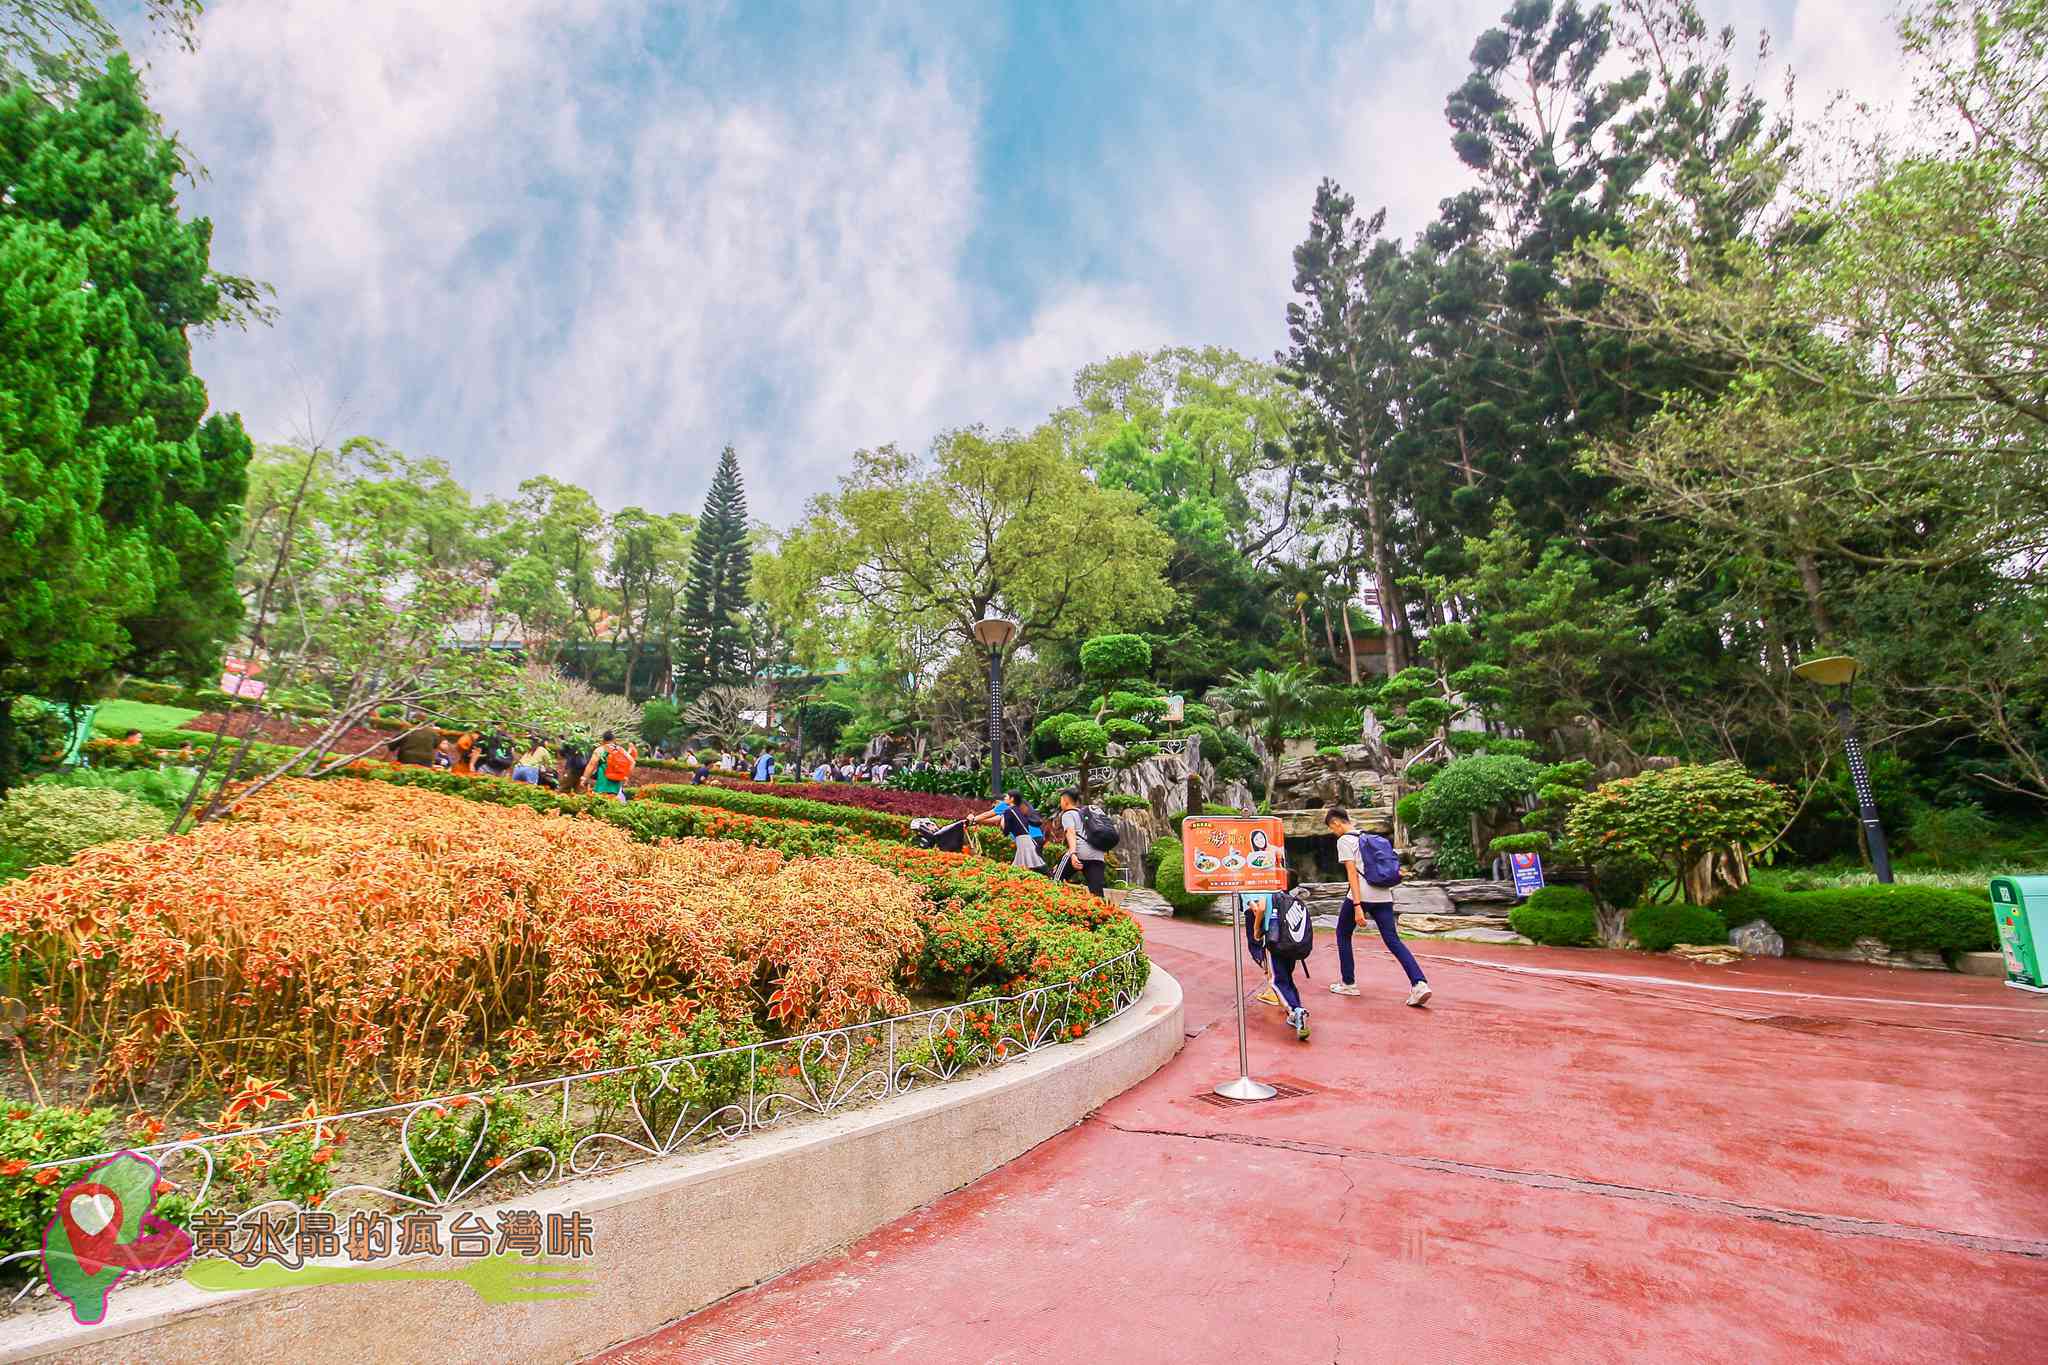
(345, 939)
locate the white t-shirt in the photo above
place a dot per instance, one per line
(1070, 820)
(1347, 852)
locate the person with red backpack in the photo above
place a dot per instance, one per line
(1371, 872)
(609, 767)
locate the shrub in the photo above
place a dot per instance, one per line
(1108, 657)
(33, 1133)
(1116, 801)
(1123, 731)
(1561, 916)
(165, 790)
(44, 823)
(1622, 883)
(1901, 917)
(1167, 880)
(1659, 927)
(1671, 818)
(1951, 836)
(658, 720)
(1473, 786)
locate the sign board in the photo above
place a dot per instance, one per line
(1528, 870)
(1233, 853)
(1176, 709)
(238, 685)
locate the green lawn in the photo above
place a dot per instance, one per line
(116, 717)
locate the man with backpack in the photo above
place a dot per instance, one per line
(1278, 928)
(1371, 872)
(609, 767)
(1090, 835)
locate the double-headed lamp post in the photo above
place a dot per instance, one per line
(1838, 671)
(995, 633)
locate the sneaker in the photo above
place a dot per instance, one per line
(1268, 996)
(1343, 988)
(1299, 1018)
(1420, 995)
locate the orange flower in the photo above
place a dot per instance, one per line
(47, 1176)
(14, 1167)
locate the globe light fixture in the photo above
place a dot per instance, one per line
(1839, 671)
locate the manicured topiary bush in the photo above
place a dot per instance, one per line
(1900, 917)
(1660, 927)
(1561, 916)
(1167, 879)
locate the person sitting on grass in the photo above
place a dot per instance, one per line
(1371, 872)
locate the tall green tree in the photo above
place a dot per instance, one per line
(119, 496)
(716, 633)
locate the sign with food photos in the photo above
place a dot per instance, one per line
(1233, 853)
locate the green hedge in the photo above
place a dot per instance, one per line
(1659, 928)
(1167, 880)
(880, 823)
(1561, 916)
(1900, 917)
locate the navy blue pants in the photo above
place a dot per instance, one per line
(1383, 916)
(1283, 969)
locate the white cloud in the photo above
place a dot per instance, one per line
(537, 236)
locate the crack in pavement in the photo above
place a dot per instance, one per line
(1337, 1275)
(1833, 1224)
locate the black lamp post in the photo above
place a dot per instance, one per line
(995, 632)
(1838, 671)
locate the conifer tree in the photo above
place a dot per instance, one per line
(714, 626)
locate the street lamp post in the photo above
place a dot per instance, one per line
(1838, 671)
(995, 633)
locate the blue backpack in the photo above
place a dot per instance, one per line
(1378, 864)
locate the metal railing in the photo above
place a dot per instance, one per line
(616, 1116)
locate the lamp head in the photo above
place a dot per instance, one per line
(1836, 670)
(995, 631)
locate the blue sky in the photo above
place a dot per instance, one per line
(600, 238)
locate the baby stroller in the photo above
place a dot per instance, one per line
(929, 833)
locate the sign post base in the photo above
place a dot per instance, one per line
(1245, 1088)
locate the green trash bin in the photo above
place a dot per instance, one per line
(2020, 905)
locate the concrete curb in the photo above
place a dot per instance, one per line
(669, 1237)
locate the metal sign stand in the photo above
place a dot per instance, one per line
(1244, 1087)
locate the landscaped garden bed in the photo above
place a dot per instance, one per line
(280, 1004)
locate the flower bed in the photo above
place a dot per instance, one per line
(359, 939)
(403, 936)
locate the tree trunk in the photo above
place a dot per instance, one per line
(1611, 924)
(1716, 873)
(1350, 641)
(1329, 633)
(1809, 583)
(1382, 567)
(6, 742)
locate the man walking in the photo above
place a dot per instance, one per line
(1371, 872)
(1080, 852)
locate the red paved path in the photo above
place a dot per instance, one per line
(1579, 1162)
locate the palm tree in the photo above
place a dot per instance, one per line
(1273, 701)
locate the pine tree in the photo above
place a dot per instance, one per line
(119, 497)
(714, 627)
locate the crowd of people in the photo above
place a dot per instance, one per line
(566, 764)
